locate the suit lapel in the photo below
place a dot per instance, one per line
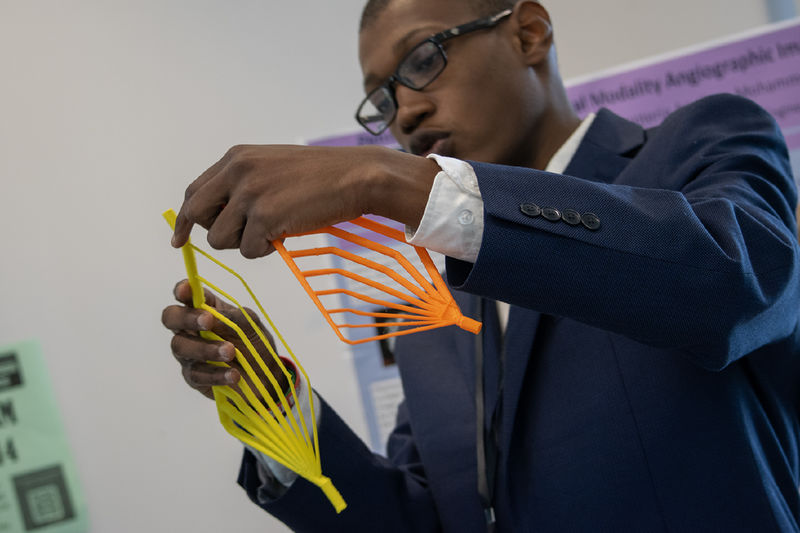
(437, 368)
(465, 343)
(606, 148)
(520, 334)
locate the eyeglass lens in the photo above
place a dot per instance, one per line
(419, 68)
(421, 65)
(377, 110)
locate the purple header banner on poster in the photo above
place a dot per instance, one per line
(359, 138)
(763, 67)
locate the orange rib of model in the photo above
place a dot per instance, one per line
(423, 304)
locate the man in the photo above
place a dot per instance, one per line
(646, 378)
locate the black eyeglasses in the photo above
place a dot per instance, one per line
(417, 70)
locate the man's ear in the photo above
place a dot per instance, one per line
(533, 31)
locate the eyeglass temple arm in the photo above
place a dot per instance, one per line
(471, 26)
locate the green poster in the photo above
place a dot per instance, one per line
(39, 488)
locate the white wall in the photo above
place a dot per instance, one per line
(592, 36)
(107, 110)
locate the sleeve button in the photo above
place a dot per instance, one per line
(590, 220)
(571, 217)
(551, 213)
(532, 210)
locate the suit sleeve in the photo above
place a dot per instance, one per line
(387, 495)
(696, 249)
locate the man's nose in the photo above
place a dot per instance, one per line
(413, 107)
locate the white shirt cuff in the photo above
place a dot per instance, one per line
(452, 223)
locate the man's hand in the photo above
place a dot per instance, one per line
(193, 352)
(256, 194)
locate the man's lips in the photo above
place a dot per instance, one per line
(425, 143)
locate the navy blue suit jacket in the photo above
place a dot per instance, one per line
(652, 365)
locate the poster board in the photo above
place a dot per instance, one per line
(39, 488)
(763, 65)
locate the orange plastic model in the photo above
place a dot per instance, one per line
(428, 303)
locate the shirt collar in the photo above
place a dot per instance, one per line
(558, 163)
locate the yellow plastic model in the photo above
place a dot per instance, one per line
(272, 429)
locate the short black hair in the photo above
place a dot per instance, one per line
(482, 8)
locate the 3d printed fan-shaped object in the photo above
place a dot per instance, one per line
(415, 303)
(273, 429)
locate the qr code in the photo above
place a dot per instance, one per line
(10, 371)
(43, 498)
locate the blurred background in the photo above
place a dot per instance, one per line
(108, 109)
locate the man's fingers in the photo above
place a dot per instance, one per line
(183, 228)
(227, 229)
(237, 317)
(254, 243)
(183, 293)
(182, 318)
(184, 220)
(210, 172)
(192, 348)
(240, 320)
(202, 208)
(200, 375)
(179, 318)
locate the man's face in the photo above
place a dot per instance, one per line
(484, 106)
